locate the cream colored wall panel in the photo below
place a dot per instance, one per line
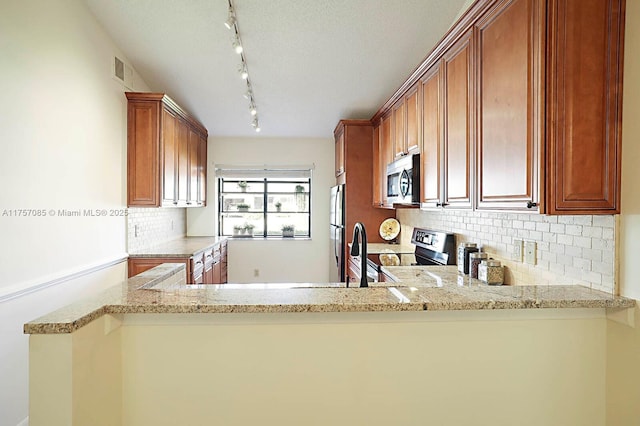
(76, 379)
(352, 369)
(623, 342)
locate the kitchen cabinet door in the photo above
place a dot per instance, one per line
(143, 165)
(193, 166)
(510, 108)
(412, 120)
(431, 152)
(377, 167)
(169, 158)
(197, 269)
(182, 132)
(339, 154)
(584, 106)
(353, 272)
(457, 66)
(386, 155)
(202, 171)
(223, 262)
(398, 122)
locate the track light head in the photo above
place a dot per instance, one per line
(230, 22)
(237, 46)
(244, 73)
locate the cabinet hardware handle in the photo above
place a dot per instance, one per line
(444, 204)
(438, 204)
(531, 204)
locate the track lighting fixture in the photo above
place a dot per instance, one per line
(243, 72)
(237, 46)
(232, 24)
(231, 20)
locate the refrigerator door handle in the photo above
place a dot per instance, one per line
(335, 207)
(335, 243)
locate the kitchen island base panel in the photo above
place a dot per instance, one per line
(375, 368)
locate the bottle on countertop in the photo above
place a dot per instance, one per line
(491, 272)
(464, 250)
(474, 262)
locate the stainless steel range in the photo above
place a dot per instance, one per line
(431, 248)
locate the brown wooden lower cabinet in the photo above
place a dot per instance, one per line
(138, 265)
(384, 278)
(206, 267)
(353, 271)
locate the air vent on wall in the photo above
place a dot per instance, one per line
(123, 73)
(119, 68)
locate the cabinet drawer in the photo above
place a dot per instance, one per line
(138, 265)
(208, 258)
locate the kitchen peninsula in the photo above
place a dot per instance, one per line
(324, 354)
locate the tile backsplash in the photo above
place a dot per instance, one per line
(149, 226)
(570, 249)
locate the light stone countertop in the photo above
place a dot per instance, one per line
(423, 288)
(444, 288)
(181, 247)
(381, 248)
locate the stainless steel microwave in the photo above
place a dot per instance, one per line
(403, 180)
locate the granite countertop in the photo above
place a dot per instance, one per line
(382, 248)
(422, 288)
(181, 247)
(443, 288)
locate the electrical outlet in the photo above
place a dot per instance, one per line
(256, 272)
(530, 252)
(517, 250)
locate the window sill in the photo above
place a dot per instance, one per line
(245, 238)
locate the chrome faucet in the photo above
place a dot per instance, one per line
(360, 233)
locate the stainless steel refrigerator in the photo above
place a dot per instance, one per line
(336, 236)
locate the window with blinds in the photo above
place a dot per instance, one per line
(263, 203)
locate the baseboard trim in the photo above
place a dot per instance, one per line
(64, 276)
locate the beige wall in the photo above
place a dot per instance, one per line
(623, 342)
(276, 260)
(63, 121)
(448, 368)
(382, 368)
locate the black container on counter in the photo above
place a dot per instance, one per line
(464, 250)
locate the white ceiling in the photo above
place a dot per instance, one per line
(311, 62)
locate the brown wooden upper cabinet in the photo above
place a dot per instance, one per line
(166, 153)
(339, 152)
(406, 125)
(520, 108)
(578, 108)
(459, 115)
(432, 141)
(584, 105)
(510, 106)
(447, 90)
(383, 155)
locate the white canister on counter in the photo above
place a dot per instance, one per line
(491, 272)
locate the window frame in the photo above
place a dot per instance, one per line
(265, 181)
